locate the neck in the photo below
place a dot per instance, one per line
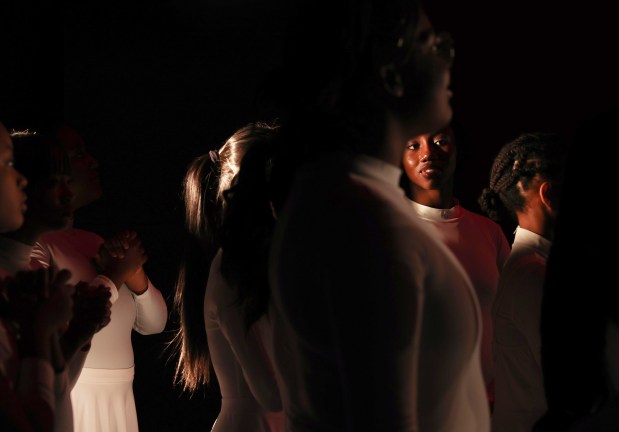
(27, 234)
(543, 226)
(435, 198)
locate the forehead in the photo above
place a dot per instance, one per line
(444, 132)
(5, 139)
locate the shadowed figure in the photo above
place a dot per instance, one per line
(525, 185)
(580, 312)
(222, 291)
(376, 325)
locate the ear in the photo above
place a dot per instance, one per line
(547, 196)
(392, 80)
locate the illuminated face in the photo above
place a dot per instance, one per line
(429, 160)
(85, 180)
(12, 184)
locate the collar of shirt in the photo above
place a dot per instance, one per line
(436, 214)
(524, 237)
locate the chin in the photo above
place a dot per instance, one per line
(12, 225)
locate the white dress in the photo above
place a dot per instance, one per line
(250, 396)
(103, 398)
(376, 325)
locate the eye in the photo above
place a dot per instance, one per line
(441, 141)
(413, 145)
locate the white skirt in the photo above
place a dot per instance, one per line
(103, 401)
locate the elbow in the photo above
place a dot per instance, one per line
(151, 327)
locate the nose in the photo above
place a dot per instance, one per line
(428, 153)
(22, 181)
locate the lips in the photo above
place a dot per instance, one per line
(431, 170)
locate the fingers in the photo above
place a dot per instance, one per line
(93, 309)
(117, 245)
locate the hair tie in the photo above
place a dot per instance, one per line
(214, 156)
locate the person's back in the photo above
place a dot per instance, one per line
(250, 398)
(222, 289)
(520, 399)
(383, 325)
(525, 181)
(375, 323)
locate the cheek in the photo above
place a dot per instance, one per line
(407, 160)
(426, 74)
(409, 165)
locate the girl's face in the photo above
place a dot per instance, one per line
(12, 184)
(430, 160)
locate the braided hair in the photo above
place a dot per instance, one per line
(515, 169)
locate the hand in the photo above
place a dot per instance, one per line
(92, 307)
(121, 256)
(41, 299)
(116, 246)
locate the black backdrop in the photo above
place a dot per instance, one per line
(153, 84)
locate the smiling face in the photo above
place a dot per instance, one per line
(12, 184)
(429, 161)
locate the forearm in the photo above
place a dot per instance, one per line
(138, 282)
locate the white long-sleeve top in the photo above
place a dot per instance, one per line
(146, 313)
(376, 325)
(520, 397)
(244, 372)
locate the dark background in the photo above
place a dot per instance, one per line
(153, 84)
